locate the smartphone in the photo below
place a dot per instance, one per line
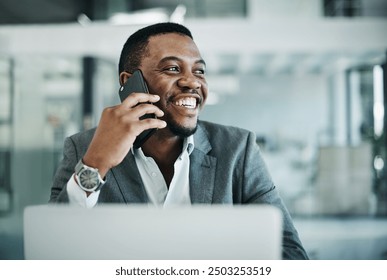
(136, 83)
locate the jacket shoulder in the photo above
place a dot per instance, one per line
(223, 138)
(230, 132)
(81, 140)
(86, 135)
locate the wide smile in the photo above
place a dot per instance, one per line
(187, 102)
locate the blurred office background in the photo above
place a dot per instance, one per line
(307, 76)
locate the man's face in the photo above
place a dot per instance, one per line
(175, 71)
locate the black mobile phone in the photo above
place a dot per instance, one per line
(136, 83)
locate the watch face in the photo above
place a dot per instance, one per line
(88, 179)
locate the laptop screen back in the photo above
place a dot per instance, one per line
(142, 232)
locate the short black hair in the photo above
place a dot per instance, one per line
(135, 47)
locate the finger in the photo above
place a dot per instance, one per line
(152, 123)
(132, 123)
(146, 108)
(138, 97)
(145, 124)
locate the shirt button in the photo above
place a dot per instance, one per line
(154, 174)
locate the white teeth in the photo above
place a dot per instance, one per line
(188, 102)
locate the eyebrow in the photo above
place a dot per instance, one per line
(167, 58)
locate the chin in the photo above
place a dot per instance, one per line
(182, 131)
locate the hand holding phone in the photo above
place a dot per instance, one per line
(136, 83)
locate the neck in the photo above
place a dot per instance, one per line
(164, 150)
(163, 146)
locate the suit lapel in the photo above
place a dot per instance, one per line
(202, 169)
(201, 176)
(129, 181)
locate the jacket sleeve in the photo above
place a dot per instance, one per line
(258, 187)
(64, 172)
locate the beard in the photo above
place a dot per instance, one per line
(180, 130)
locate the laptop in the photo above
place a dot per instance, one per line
(141, 232)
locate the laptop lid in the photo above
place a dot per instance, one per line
(142, 232)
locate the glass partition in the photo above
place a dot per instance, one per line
(47, 108)
(6, 103)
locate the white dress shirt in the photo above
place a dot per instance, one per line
(153, 180)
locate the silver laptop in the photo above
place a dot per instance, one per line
(140, 232)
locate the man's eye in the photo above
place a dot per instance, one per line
(200, 72)
(172, 68)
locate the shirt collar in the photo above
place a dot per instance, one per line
(188, 145)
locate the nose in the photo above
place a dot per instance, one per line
(189, 81)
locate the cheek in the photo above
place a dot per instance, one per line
(162, 91)
(204, 92)
(159, 87)
(152, 89)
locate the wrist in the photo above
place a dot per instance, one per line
(87, 177)
(95, 163)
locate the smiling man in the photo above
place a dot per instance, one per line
(186, 161)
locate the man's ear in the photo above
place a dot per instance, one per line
(124, 76)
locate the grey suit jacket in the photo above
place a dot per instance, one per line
(226, 167)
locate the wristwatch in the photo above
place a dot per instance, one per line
(88, 178)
